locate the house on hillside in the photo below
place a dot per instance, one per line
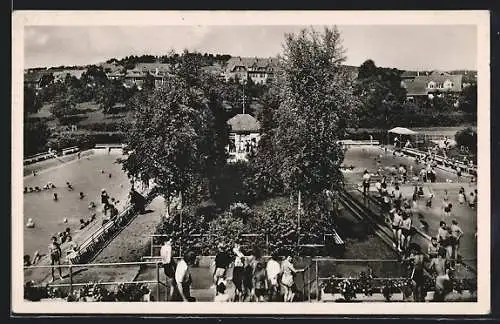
(37, 79)
(244, 137)
(134, 78)
(215, 70)
(61, 74)
(259, 70)
(430, 84)
(137, 75)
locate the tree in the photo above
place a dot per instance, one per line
(32, 102)
(62, 107)
(266, 166)
(164, 139)
(94, 76)
(381, 94)
(46, 79)
(36, 135)
(316, 100)
(468, 99)
(467, 138)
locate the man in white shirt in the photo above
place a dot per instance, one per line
(183, 278)
(273, 269)
(168, 265)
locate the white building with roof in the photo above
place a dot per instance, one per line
(244, 137)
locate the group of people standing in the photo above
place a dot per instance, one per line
(252, 277)
(255, 279)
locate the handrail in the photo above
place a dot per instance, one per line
(90, 265)
(90, 240)
(100, 283)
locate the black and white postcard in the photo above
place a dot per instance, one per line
(254, 162)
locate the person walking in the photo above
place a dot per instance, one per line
(222, 261)
(444, 234)
(461, 196)
(273, 271)
(417, 276)
(366, 182)
(55, 257)
(238, 272)
(287, 279)
(250, 267)
(396, 229)
(260, 282)
(433, 248)
(406, 227)
(183, 278)
(440, 267)
(456, 235)
(169, 266)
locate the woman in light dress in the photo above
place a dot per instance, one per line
(287, 278)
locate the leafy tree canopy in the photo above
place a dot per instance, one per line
(315, 102)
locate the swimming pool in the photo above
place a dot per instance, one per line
(89, 175)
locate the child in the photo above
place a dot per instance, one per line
(433, 248)
(420, 191)
(260, 282)
(472, 200)
(396, 229)
(429, 201)
(461, 196)
(447, 211)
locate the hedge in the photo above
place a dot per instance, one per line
(84, 140)
(420, 120)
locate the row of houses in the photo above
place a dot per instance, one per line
(430, 83)
(259, 70)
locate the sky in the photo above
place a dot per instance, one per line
(407, 47)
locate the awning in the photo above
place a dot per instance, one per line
(402, 131)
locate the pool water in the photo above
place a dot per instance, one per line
(85, 176)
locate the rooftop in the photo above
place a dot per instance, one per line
(244, 123)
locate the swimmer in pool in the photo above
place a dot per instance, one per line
(82, 195)
(30, 223)
(55, 196)
(70, 187)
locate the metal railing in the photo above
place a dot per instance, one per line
(72, 275)
(265, 242)
(312, 278)
(96, 241)
(442, 160)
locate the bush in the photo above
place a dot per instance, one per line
(467, 138)
(72, 119)
(235, 184)
(67, 139)
(104, 127)
(36, 136)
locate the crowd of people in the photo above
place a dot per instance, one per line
(252, 277)
(443, 249)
